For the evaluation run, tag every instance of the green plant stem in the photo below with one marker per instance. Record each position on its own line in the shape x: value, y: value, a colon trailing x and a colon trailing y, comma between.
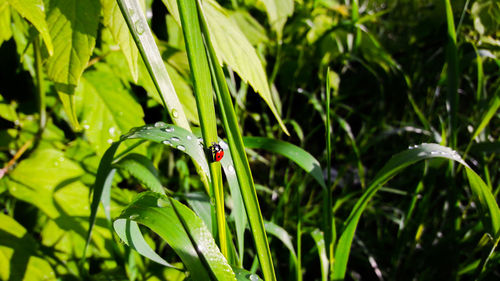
x: 328, y: 192
x: 202, y: 83
x: 39, y: 83
x: 241, y: 165
x: 452, y: 76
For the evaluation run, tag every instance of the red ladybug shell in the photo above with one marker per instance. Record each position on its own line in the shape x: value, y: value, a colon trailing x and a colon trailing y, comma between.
x: 219, y: 155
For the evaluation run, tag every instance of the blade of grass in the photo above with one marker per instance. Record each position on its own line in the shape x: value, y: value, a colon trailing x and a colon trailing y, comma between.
x: 200, y: 72
x: 397, y: 163
x: 138, y: 26
x: 242, y: 168
x: 452, y: 77
x: 327, y: 201
x: 181, y: 229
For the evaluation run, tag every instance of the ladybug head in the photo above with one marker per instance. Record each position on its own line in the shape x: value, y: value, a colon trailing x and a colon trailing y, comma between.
x: 217, y: 152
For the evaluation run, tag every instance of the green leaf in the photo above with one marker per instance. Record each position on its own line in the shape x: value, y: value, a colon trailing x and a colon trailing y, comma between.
x: 182, y: 230
x: 280, y: 233
x: 143, y: 37
x: 73, y: 34
x: 319, y: 240
x: 19, y: 259
x: 301, y: 157
x: 5, y: 30
x: 232, y: 47
x: 73, y: 28
x: 277, y: 13
x: 142, y: 168
x: 113, y: 20
x: 108, y: 108
x: 397, y: 163
x: 33, y: 10
x: 48, y: 180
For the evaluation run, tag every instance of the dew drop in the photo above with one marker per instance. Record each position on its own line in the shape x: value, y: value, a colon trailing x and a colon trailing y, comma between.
x: 200, y: 139
x: 188, y: 137
x: 167, y: 142
x: 133, y: 217
x: 160, y: 124
x: 181, y: 147
x: 254, y: 277
x: 434, y: 152
x: 110, y: 141
x: 112, y: 131
x: 86, y: 127
x: 169, y: 129
x: 175, y: 139
x: 162, y: 203
x: 230, y: 169
x: 139, y: 27
x: 175, y: 114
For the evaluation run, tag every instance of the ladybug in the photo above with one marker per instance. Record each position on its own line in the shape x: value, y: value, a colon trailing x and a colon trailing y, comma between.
x: 216, y: 152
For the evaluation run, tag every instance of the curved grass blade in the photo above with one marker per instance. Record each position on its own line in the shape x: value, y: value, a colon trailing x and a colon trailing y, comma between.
x: 129, y: 232
x: 318, y: 238
x: 173, y: 136
x: 138, y: 26
x: 298, y: 155
x: 280, y: 233
x: 182, y: 230
x: 141, y: 168
x: 162, y: 133
x: 397, y: 163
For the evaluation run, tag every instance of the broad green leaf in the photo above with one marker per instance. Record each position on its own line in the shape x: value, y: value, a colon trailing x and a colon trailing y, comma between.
x: 34, y: 11
x: 19, y: 259
x: 48, y: 180
x: 397, y: 163
x: 108, y: 108
x: 142, y: 168
x: 5, y: 31
x: 301, y: 157
x: 73, y: 34
x: 277, y: 13
x: 182, y: 230
x: 113, y: 20
x: 233, y: 48
x: 250, y: 27
x: 52, y: 182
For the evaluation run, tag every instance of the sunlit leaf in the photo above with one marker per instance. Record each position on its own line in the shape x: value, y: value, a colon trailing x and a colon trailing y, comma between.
x: 34, y: 11
x: 19, y: 259
x: 108, y: 109
x: 113, y: 19
x: 181, y: 229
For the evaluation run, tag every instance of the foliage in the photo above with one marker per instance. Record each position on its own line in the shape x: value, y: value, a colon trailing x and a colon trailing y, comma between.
x: 360, y: 139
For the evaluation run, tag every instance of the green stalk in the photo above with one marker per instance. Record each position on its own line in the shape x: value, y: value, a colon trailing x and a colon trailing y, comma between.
x: 39, y: 83
x: 241, y: 165
x: 355, y: 18
x: 327, y: 191
x: 202, y: 83
x: 452, y: 75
